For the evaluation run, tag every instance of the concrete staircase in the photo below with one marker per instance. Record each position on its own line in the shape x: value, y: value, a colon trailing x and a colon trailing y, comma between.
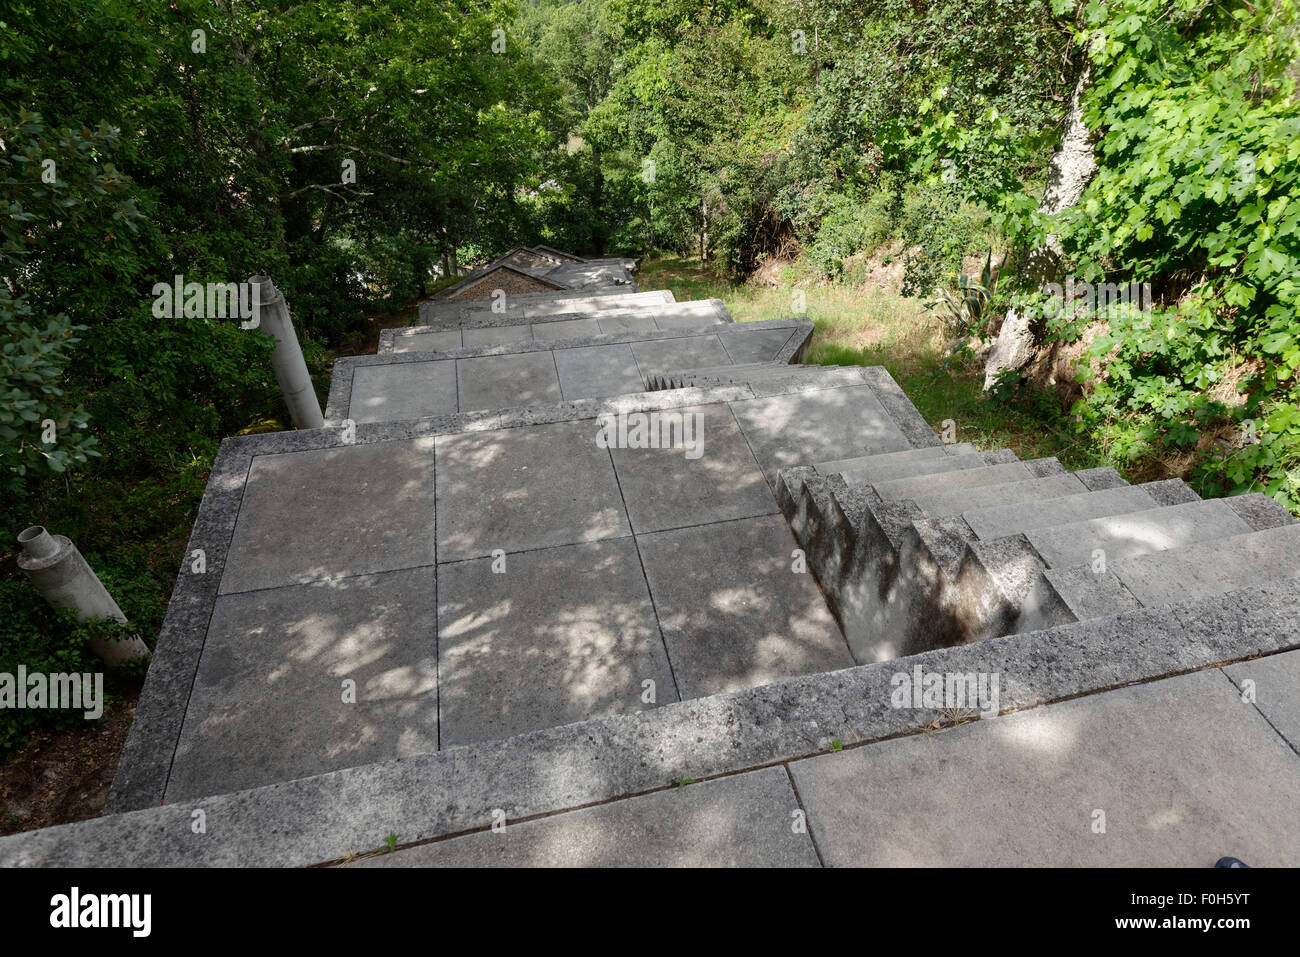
x: 947, y: 545
x: 538, y: 626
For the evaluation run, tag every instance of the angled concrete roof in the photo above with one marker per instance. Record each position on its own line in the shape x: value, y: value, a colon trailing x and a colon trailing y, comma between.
x: 564, y: 270
x: 481, y: 283
x: 560, y: 254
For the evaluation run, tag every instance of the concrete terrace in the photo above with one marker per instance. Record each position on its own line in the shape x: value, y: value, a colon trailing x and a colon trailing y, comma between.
x: 456, y: 604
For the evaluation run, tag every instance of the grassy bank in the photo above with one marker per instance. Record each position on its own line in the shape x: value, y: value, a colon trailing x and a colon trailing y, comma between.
x: 865, y: 326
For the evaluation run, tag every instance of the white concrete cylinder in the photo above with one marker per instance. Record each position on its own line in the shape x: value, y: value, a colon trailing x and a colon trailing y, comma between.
x: 63, y: 578
x: 287, y: 360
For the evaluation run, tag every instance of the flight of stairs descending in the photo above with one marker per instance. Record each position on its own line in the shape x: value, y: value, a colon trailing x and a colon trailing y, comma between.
x: 545, y: 619
x: 945, y: 545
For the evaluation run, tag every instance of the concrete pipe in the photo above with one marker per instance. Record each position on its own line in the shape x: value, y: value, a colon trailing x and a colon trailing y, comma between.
x: 290, y: 367
x: 63, y: 578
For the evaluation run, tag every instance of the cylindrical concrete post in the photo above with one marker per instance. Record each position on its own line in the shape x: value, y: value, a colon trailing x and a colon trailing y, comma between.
x: 290, y: 366
x: 63, y: 578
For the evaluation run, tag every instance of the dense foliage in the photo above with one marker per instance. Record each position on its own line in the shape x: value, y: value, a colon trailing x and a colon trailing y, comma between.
x: 836, y: 129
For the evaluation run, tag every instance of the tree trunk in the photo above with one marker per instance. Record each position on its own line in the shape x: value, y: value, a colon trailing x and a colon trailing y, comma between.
x: 1072, y: 167
x: 704, y: 228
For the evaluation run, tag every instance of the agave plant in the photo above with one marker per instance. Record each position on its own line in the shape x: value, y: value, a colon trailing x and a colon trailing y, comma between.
x: 964, y: 308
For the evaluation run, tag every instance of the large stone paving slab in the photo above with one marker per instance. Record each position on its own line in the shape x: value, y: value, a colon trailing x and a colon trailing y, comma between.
x: 1275, y: 689
x: 560, y: 635
x: 496, y: 336
x: 503, y: 382
x: 307, y: 516
x: 565, y: 329
x: 740, y: 821
x: 408, y: 390
x: 432, y: 340
x: 659, y: 356
x: 733, y: 612
x: 666, y: 488
x: 627, y: 323
x: 595, y: 371
x: 268, y: 702
x: 753, y: 345
x: 807, y: 427
x: 1183, y: 771
x: 525, y: 488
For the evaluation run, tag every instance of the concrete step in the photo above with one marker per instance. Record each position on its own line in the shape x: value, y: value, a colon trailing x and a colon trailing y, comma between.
x: 1198, y: 570
x: 999, y: 521
x: 445, y: 312
x: 763, y: 370
x: 1260, y: 511
x: 742, y: 368
x: 1117, y: 537
x: 943, y: 482
x: 956, y: 501
x: 890, y: 458
x: 877, y: 474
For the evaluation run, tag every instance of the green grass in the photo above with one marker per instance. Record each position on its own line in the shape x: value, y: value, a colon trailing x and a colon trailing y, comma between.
x: 856, y: 326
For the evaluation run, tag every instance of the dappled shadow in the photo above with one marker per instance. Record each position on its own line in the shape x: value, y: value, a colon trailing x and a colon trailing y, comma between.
x: 805, y: 428
x: 734, y: 612
x: 400, y: 391
x: 271, y: 696
x: 524, y: 488
x: 554, y: 636
x: 307, y: 516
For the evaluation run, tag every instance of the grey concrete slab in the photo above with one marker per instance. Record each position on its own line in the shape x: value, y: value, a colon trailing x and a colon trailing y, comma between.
x: 872, y: 474
x: 432, y: 340
x: 894, y: 490
x: 675, y: 355
x: 956, y: 501
x: 1135, y: 533
x: 496, y: 336
x: 565, y: 329
x: 801, y: 428
x: 745, y: 343
x: 592, y: 371
x: 503, y: 382
x: 1210, y: 568
x: 1260, y: 511
x: 522, y: 488
x: 561, y: 635
x: 538, y: 308
x: 692, y: 315
x: 631, y: 322
x: 269, y: 701
x: 326, y: 817
x: 1090, y: 594
x: 1182, y: 771
x: 401, y: 391
x: 891, y: 458
x: 999, y: 521
x: 664, y: 488
x: 751, y: 620
x: 307, y: 516
x: 1272, y: 684
x: 739, y: 821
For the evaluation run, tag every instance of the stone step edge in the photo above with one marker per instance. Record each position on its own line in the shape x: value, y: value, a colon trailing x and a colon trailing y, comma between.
x: 328, y: 817
x: 838, y: 466
x: 344, y: 367
x: 429, y: 310
x: 716, y: 314
x: 975, y: 589
x: 1061, y: 578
